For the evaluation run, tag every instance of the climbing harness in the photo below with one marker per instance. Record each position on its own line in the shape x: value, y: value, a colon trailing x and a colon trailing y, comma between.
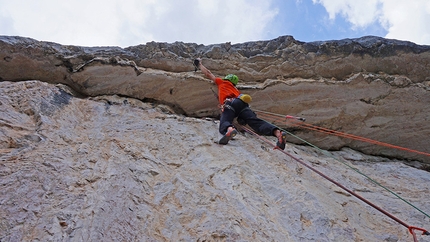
x: 226, y: 105
x: 411, y: 229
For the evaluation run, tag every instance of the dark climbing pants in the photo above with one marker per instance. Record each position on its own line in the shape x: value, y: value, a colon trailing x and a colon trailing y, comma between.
x: 238, y: 108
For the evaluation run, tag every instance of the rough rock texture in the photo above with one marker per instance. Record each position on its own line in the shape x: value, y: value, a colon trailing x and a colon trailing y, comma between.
x: 372, y: 87
x: 113, y: 168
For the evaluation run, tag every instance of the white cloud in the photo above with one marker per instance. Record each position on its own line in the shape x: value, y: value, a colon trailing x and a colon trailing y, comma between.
x: 62, y: 21
x: 359, y: 13
x: 407, y: 20
x: 403, y: 19
x: 131, y: 22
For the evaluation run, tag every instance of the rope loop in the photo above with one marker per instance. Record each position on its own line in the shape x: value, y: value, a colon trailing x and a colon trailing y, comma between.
x: 411, y: 230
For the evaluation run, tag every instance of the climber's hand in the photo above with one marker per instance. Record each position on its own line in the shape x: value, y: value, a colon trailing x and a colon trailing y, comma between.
x: 196, y: 63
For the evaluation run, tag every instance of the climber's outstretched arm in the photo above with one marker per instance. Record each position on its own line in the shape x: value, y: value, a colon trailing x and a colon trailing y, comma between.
x: 207, y: 72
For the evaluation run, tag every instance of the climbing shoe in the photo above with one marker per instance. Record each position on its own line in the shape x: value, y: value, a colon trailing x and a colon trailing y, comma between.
x: 228, y: 136
x: 281, y: 144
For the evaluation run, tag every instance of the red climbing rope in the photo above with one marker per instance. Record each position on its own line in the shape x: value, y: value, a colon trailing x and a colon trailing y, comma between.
x: 410, y: 228
x: 295, y: 121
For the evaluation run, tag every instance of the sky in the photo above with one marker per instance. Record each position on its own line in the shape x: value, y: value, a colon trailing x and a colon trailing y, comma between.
x: 132, y: 22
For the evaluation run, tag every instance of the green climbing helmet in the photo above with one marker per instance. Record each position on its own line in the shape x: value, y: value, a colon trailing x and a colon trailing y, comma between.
x: 232, y: 78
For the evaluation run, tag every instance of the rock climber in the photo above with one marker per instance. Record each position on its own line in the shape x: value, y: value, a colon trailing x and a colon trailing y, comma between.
x: 234, y: 104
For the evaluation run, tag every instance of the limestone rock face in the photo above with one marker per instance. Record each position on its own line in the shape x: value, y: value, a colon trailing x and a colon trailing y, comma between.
x: 372, y: 87
x: 112, y: 168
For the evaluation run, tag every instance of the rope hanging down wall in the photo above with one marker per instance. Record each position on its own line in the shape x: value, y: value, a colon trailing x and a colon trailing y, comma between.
x: 411, y: 229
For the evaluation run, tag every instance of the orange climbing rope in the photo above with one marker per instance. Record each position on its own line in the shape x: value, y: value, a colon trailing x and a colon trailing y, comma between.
x: 272, y: 117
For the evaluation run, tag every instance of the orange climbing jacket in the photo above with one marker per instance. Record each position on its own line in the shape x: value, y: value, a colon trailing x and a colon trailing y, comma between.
x: 226, y: 89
